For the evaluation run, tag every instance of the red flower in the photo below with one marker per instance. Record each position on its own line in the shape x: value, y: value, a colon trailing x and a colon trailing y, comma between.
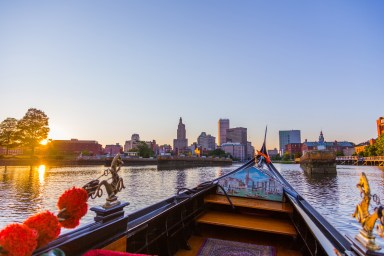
x: 18, y: 240
x: 47, y: 226
x: 72, y: 205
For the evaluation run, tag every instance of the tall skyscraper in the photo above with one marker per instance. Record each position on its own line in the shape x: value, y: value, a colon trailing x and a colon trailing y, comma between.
x: 238, y: 135
x: 181, y: 143
x: 223, y: 126
x: 380, y: 126
x: 287, y: 137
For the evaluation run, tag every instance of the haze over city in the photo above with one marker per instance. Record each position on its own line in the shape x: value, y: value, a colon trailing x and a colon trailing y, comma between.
x: 105, y: 70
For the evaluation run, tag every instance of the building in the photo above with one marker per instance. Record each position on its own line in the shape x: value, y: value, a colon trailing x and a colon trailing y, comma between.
x: 113, y: 149
x: 273, y: 152
x: 207, y: 142
x: 238, y: 135
x: 223, y: 126
x: 152, y: 145
x: 131, y: 144
x: 165, y: 149
x: 12, y: 151
x: 293, y: 148
x: 287, y: 137
x: 380, y: 126
x: 75, y: 146
x: 337, y: 146
x: 235, y: 149
x: 250, y: 150
x: 181, y: 143
x: 361, y: 146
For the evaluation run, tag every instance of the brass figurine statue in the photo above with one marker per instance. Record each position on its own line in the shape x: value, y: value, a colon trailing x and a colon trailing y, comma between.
x: 94, y: 188
x: 366, y: 219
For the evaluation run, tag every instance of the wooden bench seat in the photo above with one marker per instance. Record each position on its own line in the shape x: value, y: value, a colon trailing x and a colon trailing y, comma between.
x: 250, y: 203
x: 249, y: 222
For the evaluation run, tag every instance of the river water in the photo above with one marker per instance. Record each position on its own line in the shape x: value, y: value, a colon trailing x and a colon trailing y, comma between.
x: 28, y: 190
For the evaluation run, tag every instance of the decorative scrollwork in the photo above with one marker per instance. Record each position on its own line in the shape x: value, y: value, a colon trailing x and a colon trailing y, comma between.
x: 94, y: 187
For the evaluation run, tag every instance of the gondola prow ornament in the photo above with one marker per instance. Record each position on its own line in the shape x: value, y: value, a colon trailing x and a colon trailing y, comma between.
x: 94, y: 188
x: 368, y: 220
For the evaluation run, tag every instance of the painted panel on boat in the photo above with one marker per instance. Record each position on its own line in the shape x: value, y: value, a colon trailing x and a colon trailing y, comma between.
x: 252, y: 183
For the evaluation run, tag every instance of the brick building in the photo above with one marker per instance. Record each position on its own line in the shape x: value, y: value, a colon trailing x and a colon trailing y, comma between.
x: 75, y: 146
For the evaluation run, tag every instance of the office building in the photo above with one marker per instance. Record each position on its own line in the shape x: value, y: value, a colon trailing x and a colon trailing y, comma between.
x: 207, y: 142
x: 181, y: 143
x: 131, y: 144
x: 223, y: 126
x: 238, y: 135
x: 288, y: 137
x: 236, y: 150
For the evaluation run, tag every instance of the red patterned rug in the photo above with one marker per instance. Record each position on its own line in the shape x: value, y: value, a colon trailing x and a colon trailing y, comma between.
x: 216, y: 247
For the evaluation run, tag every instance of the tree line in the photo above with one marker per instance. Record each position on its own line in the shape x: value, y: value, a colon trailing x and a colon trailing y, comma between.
x: 377, y: 149
x: 28, y: 132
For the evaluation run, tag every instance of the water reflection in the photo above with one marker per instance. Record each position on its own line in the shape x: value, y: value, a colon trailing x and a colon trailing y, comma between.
x: 28, y: 190
x: 41, y: 171
x: 336, y: 196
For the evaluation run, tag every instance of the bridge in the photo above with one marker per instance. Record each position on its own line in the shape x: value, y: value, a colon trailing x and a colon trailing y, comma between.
x: 357, y: 160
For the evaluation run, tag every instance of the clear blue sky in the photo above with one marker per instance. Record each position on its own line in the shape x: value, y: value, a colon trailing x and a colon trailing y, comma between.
x: 103, y: 70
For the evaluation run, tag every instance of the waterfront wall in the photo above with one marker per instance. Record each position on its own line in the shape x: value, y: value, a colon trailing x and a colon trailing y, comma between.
x: 183, y: 162
x: 172, y: 162
x: 318, y: 162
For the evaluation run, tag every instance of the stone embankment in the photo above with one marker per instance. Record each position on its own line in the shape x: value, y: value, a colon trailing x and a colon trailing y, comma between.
x: 318, y: 162
x: 163, y: 162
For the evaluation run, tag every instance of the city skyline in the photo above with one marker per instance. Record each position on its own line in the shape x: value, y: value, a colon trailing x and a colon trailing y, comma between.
x: 104, y: 71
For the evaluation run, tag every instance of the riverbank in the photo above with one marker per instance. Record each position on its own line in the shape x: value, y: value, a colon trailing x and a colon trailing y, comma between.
x: 167, y: 162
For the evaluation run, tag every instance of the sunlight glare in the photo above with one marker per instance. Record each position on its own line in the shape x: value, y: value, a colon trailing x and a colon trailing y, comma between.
x: 41, y: 171
x: 44, y: 142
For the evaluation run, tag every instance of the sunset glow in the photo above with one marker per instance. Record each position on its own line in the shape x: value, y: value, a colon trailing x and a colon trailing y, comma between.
x: 44, y: 142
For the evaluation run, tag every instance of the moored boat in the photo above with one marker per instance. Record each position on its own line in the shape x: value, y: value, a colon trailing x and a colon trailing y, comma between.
x: 252, y: 210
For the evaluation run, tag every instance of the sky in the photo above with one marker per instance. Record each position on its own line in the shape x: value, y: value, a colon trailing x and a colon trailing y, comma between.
x: 103, y: 70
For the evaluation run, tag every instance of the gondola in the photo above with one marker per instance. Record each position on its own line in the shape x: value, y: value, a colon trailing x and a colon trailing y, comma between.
x: 252, y: 210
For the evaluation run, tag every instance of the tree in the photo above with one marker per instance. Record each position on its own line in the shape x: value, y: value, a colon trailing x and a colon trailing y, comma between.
x: 33, y: 128
x: 380, y: 146
x: 8, y: 133
x: 370, y: 150
x: 144, y: 150
x: 219, y: 153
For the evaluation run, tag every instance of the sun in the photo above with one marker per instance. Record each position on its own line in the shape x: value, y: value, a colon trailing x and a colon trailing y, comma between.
x: 44, y: 142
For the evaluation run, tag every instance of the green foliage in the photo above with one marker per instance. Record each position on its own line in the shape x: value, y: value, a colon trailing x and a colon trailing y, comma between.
x: 370, y: 150
x: 85, y: 153
x: 33, y: 128
x: 276, y: 157
x: 380, y: 146
x: 286, y: 156
x: 8, y: 133
x: 144, y: 150
x: 339, y: 153
x: 218, y: 153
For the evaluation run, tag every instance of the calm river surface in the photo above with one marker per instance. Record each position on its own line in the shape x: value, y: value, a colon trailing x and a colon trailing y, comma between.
x: 25, y: 190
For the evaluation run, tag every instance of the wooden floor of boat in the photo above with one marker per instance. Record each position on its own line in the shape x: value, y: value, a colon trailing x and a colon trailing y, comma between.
x: 281, y: 245
x: 249, y: 222
x: 250, y: 203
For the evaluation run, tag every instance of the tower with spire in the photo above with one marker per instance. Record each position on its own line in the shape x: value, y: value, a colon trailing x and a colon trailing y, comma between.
x: 181, y: 143
x: 321, y: 145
